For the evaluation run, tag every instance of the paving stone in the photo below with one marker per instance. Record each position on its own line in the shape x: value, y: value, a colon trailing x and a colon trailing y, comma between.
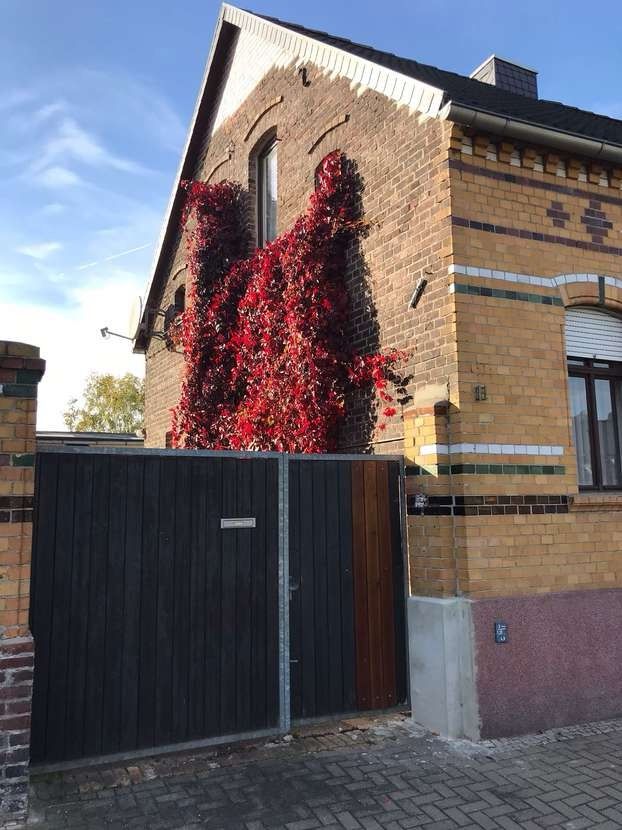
x: 366, y: 774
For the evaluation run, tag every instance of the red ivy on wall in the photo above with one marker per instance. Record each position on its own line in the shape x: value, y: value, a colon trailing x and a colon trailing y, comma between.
x: 267, y: 362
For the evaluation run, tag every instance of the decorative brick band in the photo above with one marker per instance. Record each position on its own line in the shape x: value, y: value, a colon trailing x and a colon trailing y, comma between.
x: 486, y: 470
x: 546, y: 450
x: 525, y: 181
x: 16, y: 509
x: 535, y: 236
x: 504, y: 294
x: 488, y: 505
x: 532, y: 279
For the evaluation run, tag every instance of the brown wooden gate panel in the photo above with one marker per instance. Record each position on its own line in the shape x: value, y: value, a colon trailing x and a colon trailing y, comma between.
x: 347, y: 629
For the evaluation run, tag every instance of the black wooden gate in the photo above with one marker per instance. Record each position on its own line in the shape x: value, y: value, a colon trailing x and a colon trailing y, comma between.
x: 182, y: 596
x: 152, y: 625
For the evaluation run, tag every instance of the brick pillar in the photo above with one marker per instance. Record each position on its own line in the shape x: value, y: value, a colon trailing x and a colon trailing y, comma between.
x: 20, y: 372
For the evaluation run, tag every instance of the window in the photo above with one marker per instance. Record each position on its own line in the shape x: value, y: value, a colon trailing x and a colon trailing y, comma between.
x: 594, y: 345
x: 267, y: 194
x: 179, y: 300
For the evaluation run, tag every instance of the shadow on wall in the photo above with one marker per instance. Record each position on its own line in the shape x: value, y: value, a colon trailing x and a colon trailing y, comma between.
x: 364, y: 334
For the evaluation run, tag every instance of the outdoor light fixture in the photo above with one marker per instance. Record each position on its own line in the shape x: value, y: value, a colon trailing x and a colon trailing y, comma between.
x: 419, y: 289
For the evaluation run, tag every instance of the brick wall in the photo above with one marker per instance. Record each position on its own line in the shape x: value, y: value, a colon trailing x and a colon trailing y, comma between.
x: 20, y: 371
x: 505, y: 515
x: 403, y: 162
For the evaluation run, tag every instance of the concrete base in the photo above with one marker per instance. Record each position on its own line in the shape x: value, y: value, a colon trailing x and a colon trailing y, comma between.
x: 442, y: 678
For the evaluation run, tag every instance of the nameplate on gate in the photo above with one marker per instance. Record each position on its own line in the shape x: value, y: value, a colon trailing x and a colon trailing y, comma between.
x: 232, y: 524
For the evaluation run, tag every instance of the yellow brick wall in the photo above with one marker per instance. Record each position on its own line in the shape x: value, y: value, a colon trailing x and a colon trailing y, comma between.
x: 20, y: 371
x: 515, y: 348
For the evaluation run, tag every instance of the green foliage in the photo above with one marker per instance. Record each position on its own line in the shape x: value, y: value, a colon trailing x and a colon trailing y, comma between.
x: 109, y: 404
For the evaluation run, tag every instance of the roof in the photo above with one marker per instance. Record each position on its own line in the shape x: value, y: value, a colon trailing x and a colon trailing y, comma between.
x: 477, y: 94
x: 425, y: 89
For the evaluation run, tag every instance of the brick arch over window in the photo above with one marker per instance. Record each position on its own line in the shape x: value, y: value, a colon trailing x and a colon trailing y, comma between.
x: 269, y: 139
x: 590, y: 290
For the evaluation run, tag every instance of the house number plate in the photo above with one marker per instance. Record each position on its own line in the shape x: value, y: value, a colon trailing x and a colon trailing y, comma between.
x: 232, y: 524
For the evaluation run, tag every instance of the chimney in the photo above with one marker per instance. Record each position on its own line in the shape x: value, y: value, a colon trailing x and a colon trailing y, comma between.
x: 507, y: 75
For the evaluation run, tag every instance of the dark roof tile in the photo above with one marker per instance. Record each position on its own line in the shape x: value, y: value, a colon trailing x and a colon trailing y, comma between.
x: 476, y: 94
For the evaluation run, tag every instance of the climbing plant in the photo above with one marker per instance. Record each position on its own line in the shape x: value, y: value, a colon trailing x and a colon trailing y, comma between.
x: 267, y: 359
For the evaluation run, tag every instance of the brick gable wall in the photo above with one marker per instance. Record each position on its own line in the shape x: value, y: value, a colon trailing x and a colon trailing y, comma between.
x: 403, y: 163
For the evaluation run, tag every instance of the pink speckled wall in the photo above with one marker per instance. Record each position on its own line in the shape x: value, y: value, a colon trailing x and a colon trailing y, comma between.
x: 561, y: 665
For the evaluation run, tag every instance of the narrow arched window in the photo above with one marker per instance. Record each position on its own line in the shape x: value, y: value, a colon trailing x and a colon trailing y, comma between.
x: 267, y: 193
x: 594, y: 349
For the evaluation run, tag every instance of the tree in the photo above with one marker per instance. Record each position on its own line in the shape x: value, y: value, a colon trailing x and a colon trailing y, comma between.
x: 109, y: 404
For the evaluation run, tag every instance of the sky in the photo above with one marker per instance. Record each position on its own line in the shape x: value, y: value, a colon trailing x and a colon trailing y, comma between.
x: 95, y: 99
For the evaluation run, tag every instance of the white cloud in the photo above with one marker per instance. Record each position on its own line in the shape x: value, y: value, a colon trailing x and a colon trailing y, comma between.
x: 39, y: 250
x: 53, y: 209
x: 57, y: 177
x: 70, y: 142
x: 71, y: 343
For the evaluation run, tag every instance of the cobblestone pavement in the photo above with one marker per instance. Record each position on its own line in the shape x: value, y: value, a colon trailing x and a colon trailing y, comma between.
x: 364, y: 773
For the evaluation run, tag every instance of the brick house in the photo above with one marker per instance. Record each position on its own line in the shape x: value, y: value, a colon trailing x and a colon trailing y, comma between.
x: 506, y: 212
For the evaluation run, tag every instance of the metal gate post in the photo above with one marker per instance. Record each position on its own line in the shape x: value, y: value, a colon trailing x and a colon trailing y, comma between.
x: 284, y: 682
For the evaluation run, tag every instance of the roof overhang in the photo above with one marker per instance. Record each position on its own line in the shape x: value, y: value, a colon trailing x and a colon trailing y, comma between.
x: 501, y: 125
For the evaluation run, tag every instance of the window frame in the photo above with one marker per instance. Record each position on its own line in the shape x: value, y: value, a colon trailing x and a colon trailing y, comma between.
x: 270, y: 146
x: 582, y: 367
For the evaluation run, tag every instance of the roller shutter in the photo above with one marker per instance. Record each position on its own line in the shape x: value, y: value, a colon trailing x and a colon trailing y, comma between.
x: 594, y: 334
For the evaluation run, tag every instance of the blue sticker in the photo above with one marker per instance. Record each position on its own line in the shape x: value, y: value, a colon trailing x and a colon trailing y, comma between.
x: 501, y: 632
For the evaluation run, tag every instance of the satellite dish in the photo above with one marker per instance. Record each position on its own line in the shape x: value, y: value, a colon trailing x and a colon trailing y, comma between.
x: 136, y: 316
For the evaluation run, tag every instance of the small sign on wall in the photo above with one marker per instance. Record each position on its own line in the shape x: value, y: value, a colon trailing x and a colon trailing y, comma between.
x: 501, y: 631
x: 234, y: 524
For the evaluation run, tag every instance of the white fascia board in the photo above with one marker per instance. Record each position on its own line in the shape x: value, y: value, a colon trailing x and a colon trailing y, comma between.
x: 394, y: 85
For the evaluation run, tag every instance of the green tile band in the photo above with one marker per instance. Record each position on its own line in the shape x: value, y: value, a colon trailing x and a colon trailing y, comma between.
x: 506, y: 294
x: 23, y: 459
x: 486, y: 470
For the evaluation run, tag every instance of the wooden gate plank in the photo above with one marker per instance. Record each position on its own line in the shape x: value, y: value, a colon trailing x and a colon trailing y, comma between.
x: 272, y: 594
x: 60, y: 629
x: 385, y: 552
x: 359, y: 567
x: 295, y: 594
x: 228, y: 656
x: 244, y: 615
x: 180, y: 634
x: 212, y: 550
x: 374, y: 605
x: 322, y: 667
x: 148, y: 605
x: 258, y: 631
x: 333, y: 582
x: 115, y: 612
x: 79, y: 603
x: 347, y: 587
x: 97, y: 607
x: 197, y: 604
x: 307, y: 588
x: 132, y: 597
x: 166, y: 602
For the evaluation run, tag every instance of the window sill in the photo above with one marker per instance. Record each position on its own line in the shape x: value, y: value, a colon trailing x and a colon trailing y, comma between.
x: 596, y: 501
